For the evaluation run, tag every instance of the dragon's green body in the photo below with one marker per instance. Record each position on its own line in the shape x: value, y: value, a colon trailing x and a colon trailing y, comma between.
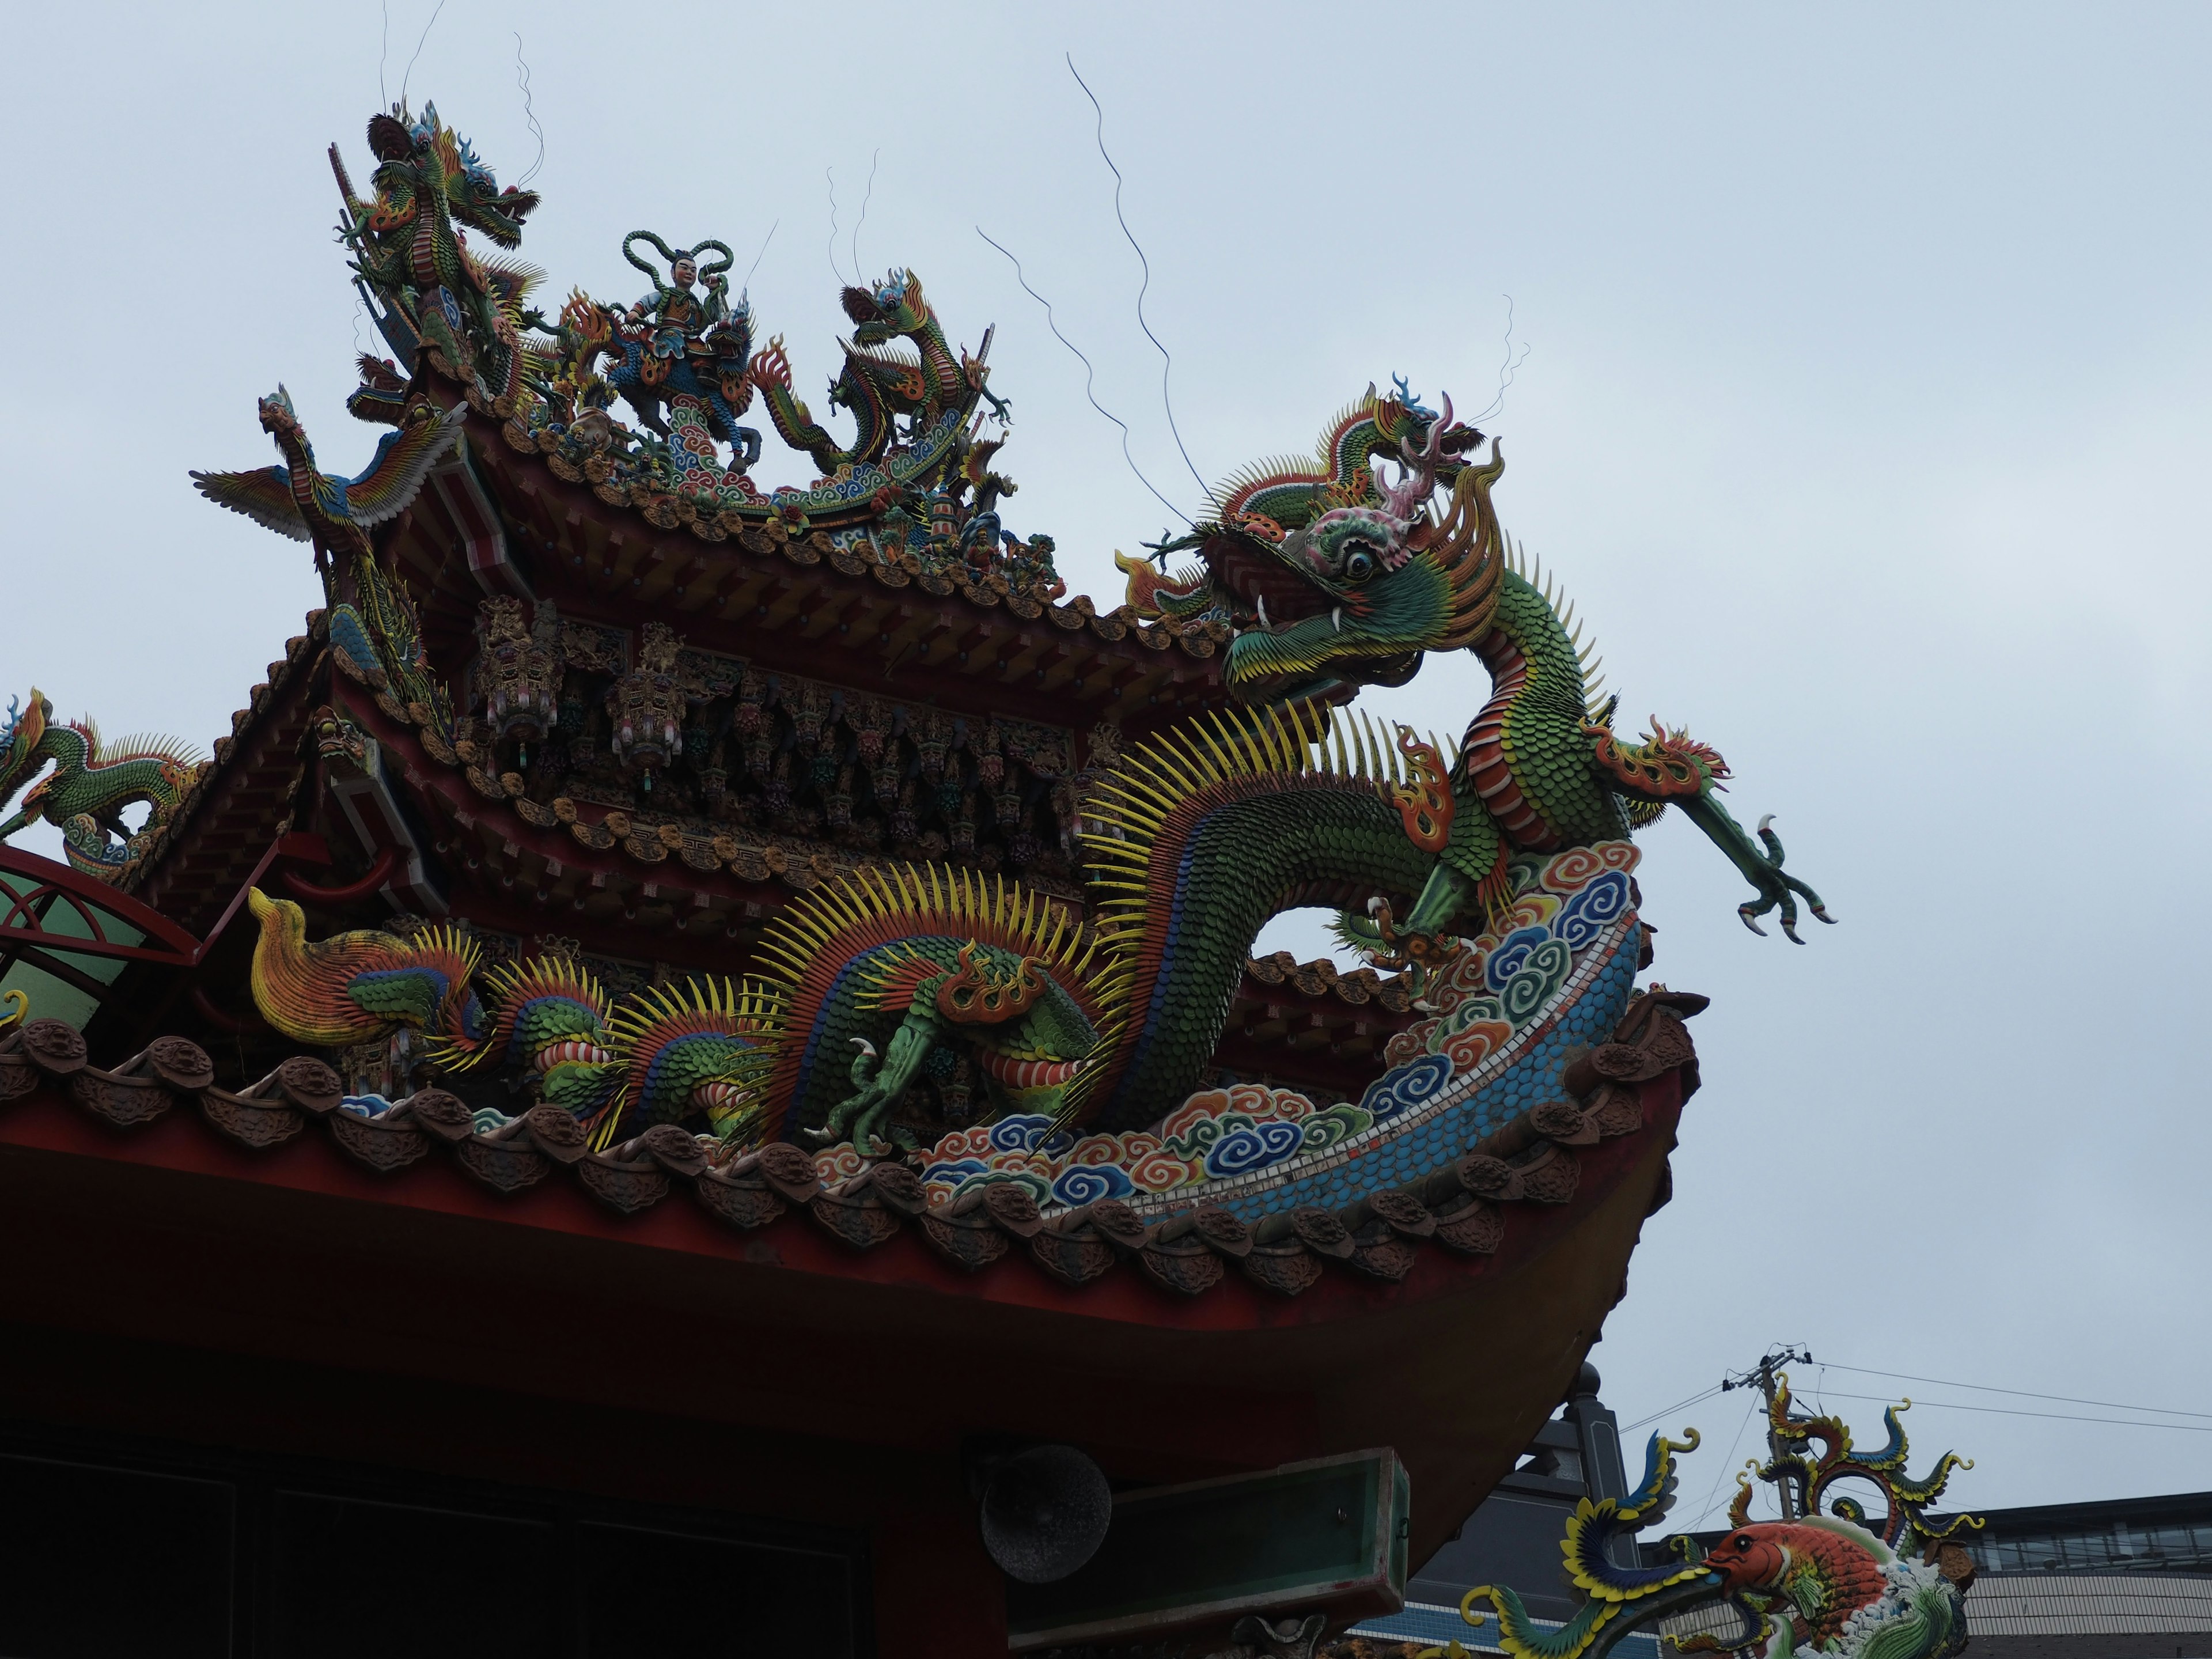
x: 1332, y: 579
x: 1207, y: 841
x: 407, y: 246
x: 909, y: 975
x: 90, y: 785
x: 879, y: 385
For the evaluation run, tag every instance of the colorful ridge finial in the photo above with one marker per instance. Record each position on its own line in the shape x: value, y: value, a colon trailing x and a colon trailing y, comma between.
x: 1818, y: 1584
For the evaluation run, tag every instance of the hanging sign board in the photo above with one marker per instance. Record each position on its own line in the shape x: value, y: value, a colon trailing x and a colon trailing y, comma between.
x: 1328, y: 1536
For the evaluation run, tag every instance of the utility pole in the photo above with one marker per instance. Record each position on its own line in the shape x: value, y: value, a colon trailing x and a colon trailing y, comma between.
x: 1763, y: 1375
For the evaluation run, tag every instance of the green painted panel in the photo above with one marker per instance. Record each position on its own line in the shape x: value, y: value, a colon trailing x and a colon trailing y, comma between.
x: 1326, y: 1533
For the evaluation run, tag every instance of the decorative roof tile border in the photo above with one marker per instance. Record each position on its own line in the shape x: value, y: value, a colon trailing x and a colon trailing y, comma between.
x: 1323, y: 978
x: 1464, y: 1207
x: 850, y: 557
x: 152, y: 849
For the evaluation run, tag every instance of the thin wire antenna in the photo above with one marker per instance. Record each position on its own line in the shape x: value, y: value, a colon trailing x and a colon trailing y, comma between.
x: 427, y: 27
x: 830, y: 174
x: 1089, y: 375
x: 865, y: 200
x: 1167, y: 362
x: 757, y: 257
x: 383, y: 51
x: 1507, y: 368
x: 529, y: 114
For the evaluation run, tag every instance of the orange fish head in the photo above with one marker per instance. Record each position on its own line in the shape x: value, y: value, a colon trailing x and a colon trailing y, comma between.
x: 1749, y: 1558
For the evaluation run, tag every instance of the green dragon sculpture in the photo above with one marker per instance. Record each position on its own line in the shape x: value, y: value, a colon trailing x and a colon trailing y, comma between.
x: 408, y: 250
x: 880, y: 385
x: 92, y: 784
x: 1331, y: 578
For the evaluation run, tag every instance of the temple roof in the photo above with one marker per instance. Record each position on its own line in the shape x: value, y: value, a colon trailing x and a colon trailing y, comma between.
x: 1466, y: 1209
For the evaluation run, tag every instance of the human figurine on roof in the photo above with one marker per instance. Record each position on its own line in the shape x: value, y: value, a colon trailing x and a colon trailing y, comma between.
x: 676, y: 316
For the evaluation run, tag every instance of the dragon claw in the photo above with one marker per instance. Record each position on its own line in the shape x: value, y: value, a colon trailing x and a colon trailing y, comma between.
x: 1759, y: 857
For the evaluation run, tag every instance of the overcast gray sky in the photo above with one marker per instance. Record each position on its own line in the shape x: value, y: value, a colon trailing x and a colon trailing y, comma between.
x: 1863, y: 414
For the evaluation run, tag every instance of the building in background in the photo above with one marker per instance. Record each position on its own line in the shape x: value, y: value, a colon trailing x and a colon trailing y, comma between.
x: 2120, y: 1579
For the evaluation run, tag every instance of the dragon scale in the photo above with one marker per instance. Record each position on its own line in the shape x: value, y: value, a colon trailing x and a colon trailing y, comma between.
x: 1193, y: 861
x: 1522, y: 754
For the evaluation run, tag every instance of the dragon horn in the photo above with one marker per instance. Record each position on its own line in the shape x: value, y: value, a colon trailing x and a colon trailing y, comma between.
x: 1404, y: 499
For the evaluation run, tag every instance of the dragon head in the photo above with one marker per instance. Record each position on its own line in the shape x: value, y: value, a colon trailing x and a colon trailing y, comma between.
x: 418, y: 145
x: 20, y: 739
x: 340, y: 743
x: 891, y: 306
x: 1329, y: 575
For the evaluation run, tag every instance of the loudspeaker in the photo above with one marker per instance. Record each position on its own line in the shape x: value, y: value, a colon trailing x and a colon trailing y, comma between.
x: 1045, y: 1512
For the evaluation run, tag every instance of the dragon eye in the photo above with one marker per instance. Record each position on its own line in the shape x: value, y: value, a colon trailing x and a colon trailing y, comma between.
x: 1358, y: 562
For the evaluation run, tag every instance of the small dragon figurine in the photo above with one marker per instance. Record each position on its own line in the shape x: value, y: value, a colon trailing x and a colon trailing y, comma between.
x: 91, y: 785
x: 879, y: 384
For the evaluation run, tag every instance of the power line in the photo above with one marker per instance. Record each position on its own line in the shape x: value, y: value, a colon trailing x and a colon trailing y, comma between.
x: 1713, y: 1497
x: 1679, y: 1405
x: 2024, y: 1393
x: 2056, y: 1417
